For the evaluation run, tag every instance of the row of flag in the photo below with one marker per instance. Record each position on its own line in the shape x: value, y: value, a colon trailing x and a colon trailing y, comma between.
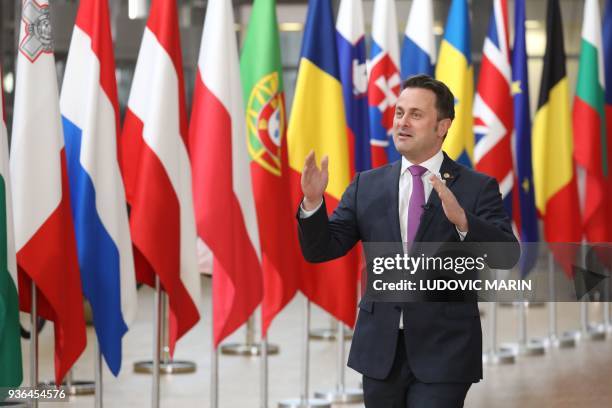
x: 230, y: 176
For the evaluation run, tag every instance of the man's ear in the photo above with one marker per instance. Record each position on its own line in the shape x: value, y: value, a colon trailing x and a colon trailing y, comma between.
x: 443, y: 127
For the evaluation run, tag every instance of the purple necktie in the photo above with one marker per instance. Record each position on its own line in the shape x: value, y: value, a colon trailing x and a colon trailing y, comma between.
x: 417, y: 201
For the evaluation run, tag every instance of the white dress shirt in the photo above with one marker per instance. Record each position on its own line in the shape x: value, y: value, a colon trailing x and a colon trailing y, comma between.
x: 432, y: 165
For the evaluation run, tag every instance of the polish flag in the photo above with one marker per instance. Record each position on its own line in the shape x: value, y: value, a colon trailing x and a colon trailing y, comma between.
x: 157, y: 173
x: 44, y: 231
x: 224, y: 204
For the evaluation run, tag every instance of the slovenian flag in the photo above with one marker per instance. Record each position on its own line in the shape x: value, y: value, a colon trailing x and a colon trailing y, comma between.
x: 350, y: 38
x: 90, y: 117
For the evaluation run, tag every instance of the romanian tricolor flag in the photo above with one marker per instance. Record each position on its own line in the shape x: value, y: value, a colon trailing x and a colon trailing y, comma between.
x: 455, y: 69
x: 590, y: 147
x: 553, y: 167
x: 318, y: 123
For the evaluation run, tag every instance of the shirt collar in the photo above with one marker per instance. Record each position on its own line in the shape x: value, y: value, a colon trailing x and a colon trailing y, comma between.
x: 432, y: 164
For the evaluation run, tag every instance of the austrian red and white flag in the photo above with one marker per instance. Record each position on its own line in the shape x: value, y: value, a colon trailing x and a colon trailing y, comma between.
x: 224, y: 204
x: 44, y: 231
x: 157, y: 173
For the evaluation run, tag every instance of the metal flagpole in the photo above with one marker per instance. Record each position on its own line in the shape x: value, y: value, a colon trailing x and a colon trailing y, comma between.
x: 98, y: 373
x: 566, y: 339
x: 587, y: 330
x: 304, y: 401
x: 496, y: 355
x: 527, y: 346
x: 157, y: 318
x: 341, y: 394
x: 264, y: 373
x: 214, y: 377
x: 167, y: 365
x: 34, y: 345
x: 606, y: 312
x: 250, y: 347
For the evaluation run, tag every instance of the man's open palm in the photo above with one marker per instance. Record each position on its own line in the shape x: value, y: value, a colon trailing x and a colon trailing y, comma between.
x: 314, y: 180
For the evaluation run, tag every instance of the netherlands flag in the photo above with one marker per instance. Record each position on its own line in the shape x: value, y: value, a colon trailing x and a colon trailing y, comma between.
x: 90, y: 117
x: 157, y: 172
x: 384, y: 82
x: 419, y: 46
x: 350, y: 38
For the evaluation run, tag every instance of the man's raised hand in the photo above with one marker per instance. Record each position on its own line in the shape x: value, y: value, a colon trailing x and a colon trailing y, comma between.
x: 314, y: 181
x: 452, y: 209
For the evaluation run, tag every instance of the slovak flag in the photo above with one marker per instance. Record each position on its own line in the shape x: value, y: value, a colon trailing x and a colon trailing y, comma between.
x: 384, y: 82
x: 44, y: 231
x: 157, y: 172
x: 90, y: 117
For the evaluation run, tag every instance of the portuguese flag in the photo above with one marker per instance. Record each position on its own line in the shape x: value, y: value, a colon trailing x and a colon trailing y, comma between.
x: 590, y: 147
x: 10, y: 337
x: 553, y: 166
x: 266, y: 121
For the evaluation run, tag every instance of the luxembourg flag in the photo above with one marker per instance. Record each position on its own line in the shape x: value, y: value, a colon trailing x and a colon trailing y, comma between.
x: 44, y: 230
x: 157, y: 172
x: 419, y: 46
x: 350, y: 38
x: 90, y: 117
x: 384, y: 83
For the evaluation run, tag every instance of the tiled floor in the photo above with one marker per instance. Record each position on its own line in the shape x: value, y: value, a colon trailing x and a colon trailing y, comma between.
x: 580, y: 377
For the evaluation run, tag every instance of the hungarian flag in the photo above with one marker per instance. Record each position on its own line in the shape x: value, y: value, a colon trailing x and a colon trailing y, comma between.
x: 590, y: 147
x: 318, y: 123
x: 157, y: 173
x: 350, y: 38
x: 384, y: 82
x: 266, y: 125
x: 11, y: 373
x: 455, y: 69
x: 419, y: 45
x: 90, y: 118
x: 493, y: 116
x: 44, y: 232
x: 553, y: 166
x: 224, y: 205
x: 524, y: 214
x: 607, y: 55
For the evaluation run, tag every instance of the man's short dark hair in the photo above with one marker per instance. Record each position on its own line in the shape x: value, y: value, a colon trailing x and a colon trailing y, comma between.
x: 445, y: 100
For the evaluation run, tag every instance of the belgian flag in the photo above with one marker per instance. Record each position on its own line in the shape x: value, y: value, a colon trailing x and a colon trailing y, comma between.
x: 556, y: 192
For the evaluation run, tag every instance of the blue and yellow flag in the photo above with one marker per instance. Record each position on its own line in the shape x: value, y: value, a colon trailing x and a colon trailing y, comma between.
x: 318, y: 122
x: 454, y: 68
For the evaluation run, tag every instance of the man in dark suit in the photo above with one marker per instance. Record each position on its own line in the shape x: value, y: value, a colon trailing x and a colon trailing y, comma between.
x: 417, y: 355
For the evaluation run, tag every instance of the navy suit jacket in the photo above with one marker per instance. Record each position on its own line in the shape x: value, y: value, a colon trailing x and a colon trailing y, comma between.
x: 443, y: 339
